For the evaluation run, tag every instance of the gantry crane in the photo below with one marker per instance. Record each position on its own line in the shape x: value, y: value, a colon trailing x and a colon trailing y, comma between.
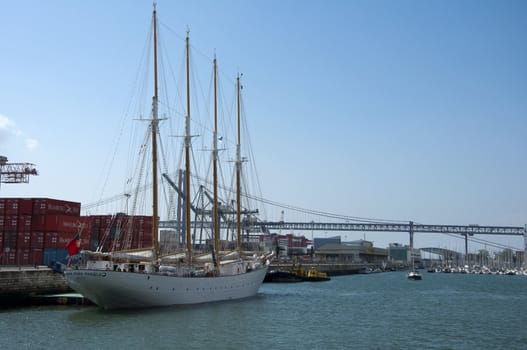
x: 15, y: 173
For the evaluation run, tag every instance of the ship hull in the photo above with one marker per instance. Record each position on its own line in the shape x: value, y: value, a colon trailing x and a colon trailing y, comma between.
x: 117, y: 290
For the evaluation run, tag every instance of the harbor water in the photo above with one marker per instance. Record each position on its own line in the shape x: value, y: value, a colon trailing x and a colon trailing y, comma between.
x: 374, y: 311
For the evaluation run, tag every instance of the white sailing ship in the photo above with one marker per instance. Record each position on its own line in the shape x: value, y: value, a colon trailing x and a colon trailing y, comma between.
x: 135, y: 280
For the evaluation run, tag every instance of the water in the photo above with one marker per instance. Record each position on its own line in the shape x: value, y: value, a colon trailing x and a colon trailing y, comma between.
x: 376, y: 311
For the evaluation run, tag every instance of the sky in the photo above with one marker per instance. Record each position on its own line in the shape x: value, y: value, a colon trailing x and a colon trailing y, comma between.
x: 399, y: 110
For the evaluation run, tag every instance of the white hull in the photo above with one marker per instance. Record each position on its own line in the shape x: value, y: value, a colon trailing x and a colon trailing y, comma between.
x: 414, y: 275
x: 115, y: 290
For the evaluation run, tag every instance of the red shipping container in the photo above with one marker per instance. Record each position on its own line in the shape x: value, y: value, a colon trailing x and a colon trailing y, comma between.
x: 104, y: 233
x: 42, y: 206
x: 2, y: 206
x: 25, y: 206
x: 85, y: 226
x: 24, y: 222
x: 37, y: 240
x: 11, y: 206
x: 62, y: 223
x: 143, y: 221
x: 22, y: 257
x: 8, y: 257
x: 36, y: 256
x: 2, y: 220
x: 10, y: 222
x: 51, y: 240
x: 10, y: 238
x: 101, y: 220
x: 23, y: 240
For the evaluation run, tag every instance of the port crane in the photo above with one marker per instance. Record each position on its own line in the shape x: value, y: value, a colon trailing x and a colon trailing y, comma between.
x: 16, y: 173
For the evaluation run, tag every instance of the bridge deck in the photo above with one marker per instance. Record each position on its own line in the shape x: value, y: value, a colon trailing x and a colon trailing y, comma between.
x: 377, y: 227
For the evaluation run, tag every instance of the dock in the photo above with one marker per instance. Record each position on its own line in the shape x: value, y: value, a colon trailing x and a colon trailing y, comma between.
x: 21, y: 284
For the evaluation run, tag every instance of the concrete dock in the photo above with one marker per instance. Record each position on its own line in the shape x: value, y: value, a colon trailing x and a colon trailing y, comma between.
x: 21, y: 283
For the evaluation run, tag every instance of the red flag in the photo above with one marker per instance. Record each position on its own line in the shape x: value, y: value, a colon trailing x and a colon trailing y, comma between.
x: 74, y: 245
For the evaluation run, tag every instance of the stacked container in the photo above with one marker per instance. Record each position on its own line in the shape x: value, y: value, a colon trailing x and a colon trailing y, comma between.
x: 35, y: 231
x: 117, y: 232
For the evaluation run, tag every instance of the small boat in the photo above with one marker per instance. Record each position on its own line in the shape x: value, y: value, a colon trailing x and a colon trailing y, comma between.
x: 311, y: 275
x: 414, y: 275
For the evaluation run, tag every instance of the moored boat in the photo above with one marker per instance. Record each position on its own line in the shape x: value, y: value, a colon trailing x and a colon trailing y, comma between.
x: 148, y: 279
x: 311, y: 275
x: 282, y: 276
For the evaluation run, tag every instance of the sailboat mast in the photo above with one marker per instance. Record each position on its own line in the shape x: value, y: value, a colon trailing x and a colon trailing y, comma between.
x: 216, y: 230
x: 187, y: 159
x: 238, y: 180
x: 155, y: 241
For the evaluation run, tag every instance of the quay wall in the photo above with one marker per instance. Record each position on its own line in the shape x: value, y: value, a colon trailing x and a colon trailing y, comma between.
x: 23, y: 282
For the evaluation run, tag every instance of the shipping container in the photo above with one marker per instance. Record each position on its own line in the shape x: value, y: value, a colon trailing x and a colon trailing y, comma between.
x: 85, y: 225
x: 43, y: 206
x: 37, y: 240
x: 22, y: 256
x: 53, y: 222
x: 24, y: 222
x: 10, y: 222
x: 2, y: 220
x: 11, y: 206
x: 2, y: 206
x: 106, y: 246
x: 54, y: 255
x: 94, y: 233
x: 10, y: 240
x: 8, y: 257
x: 101, y: 220
x: 18, y: 206
x: 23, y: 240
x: 25, y: 206
x: 50, y: 240
x: 36, y: 257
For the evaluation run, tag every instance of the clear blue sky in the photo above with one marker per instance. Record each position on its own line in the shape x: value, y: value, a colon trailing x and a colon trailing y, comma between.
x: 405, y: 110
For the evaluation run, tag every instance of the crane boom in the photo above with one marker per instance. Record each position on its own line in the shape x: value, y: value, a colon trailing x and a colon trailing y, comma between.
x: 16, y: 173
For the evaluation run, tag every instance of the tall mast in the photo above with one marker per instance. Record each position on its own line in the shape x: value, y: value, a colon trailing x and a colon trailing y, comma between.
x: 154, y: 148
x: 238, y: 180
x: 187, y: 159
x: 216, y: 225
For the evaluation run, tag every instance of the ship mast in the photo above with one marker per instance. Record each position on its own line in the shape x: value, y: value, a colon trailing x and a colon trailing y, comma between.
x: 238, y: 170
x: 187, y: 159
x: 216, y: 225
x: 154, y: 147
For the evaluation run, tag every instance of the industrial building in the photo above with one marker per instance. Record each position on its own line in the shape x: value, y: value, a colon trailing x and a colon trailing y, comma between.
x: 360, y: 251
